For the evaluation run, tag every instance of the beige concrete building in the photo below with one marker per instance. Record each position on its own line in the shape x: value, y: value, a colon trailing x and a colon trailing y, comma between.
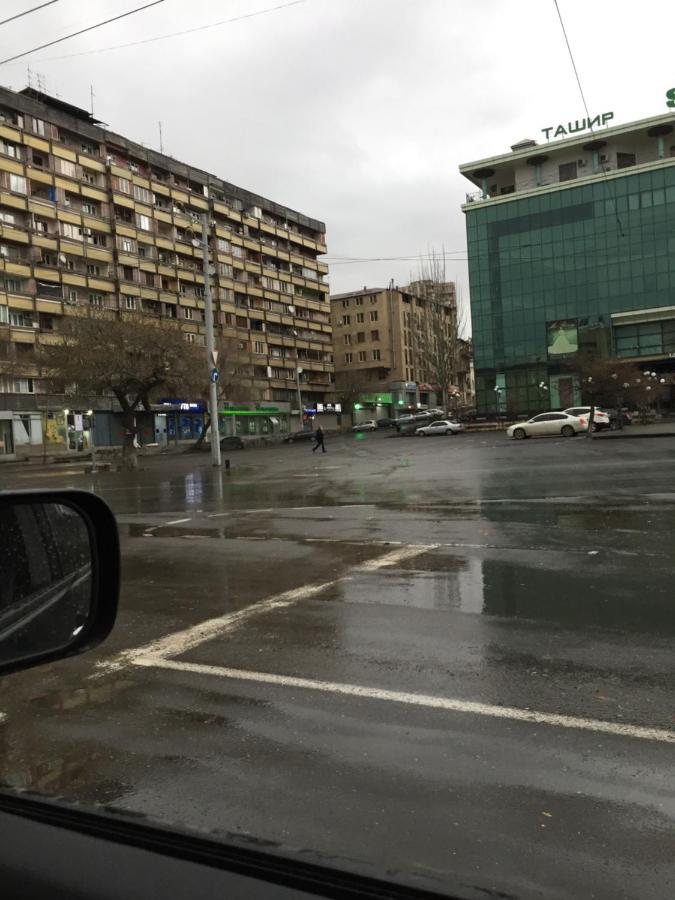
x: 377, y: 346
x: 89, y: 218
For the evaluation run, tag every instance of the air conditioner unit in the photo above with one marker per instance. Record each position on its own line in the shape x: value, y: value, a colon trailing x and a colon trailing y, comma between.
x: 86, y: 232
x: 133, y: 168
x: 63, y: 258
x: 36, y: 324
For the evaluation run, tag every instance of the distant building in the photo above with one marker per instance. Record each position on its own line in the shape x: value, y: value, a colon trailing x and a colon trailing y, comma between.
x: 377, y: 347
x: 571, y: 247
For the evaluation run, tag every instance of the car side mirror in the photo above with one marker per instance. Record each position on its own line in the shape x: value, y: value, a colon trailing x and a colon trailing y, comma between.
x: 59, y: 575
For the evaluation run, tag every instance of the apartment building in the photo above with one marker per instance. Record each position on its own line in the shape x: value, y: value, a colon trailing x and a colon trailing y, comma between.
x: 377, y: 346
x: 571, y: 248
x: 89, y: 218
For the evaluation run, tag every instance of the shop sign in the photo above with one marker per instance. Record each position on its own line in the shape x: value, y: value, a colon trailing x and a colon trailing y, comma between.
x: 577, y: 125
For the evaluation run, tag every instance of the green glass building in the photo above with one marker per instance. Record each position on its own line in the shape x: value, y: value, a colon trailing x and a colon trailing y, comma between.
x: 571, y: 246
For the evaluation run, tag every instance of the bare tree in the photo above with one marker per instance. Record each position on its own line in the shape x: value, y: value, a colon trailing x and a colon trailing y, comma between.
x: 348, y: 388
x: 436, y: 328
x: 614, y: 382
x: 131, y: 356
x: 236, y: 380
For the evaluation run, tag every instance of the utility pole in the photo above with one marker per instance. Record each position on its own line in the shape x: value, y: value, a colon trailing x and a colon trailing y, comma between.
x: 212, y: 356
x: 298, y: 370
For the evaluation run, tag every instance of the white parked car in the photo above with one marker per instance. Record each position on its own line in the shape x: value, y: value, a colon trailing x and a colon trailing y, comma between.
x: 442, y: 426
x: 369, y: 425
x: 600, y: 417
x: 560, y: 423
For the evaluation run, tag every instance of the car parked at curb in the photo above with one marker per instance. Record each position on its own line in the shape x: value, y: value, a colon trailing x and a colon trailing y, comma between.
x: 601, y: 419
x: 441, y: 426
x: 298, y: 436
x: 550, y: 423
x: 369, y: 425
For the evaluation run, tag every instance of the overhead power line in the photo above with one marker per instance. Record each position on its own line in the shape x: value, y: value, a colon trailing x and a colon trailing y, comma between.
x: 67, y: 37
x: 28, y: 12
x: 583, y: 100
x: 173, y: 34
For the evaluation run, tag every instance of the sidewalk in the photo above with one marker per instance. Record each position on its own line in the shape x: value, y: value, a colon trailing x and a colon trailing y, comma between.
x: 656, y: 429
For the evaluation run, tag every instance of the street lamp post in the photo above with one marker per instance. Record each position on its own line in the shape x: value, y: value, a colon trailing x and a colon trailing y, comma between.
x: 298, y: 372
x: 212, y: 357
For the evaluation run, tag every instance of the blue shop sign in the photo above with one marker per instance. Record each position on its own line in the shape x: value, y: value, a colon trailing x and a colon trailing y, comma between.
x: 184, y: 405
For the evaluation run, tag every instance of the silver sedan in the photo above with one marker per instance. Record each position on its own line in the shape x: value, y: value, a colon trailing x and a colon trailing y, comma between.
x: 442, y: 426
x: 550, y: 423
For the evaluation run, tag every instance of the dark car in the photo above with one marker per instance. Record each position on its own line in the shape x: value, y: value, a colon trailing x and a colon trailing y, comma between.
x: 299, y: 436
x: 386, y: 423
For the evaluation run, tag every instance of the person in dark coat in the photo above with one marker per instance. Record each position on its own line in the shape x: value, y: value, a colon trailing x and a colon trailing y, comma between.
x: 318, y: 437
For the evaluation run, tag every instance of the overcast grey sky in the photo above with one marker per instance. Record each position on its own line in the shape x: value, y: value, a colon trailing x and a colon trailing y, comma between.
x: 357, y: 112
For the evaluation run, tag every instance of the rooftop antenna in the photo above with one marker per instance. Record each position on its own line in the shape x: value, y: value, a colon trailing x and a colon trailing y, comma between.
x: 30, y: 76
x: 161, y: 145
x: 41, y: 82
x: 91, y: 97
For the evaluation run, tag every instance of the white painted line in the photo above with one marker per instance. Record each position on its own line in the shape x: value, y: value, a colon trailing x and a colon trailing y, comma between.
x: 175, y: 522
x: 3, y: 717
x: 444, y: 703
x: 180, y: 642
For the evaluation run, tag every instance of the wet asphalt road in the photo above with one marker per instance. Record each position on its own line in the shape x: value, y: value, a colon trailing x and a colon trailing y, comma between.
x: 394, y: 628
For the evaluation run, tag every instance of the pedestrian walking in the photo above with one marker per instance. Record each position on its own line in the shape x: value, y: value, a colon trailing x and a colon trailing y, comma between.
x: 318, y: 437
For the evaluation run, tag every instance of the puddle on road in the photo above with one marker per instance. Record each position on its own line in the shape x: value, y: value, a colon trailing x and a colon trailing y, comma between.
x: 577, y: 598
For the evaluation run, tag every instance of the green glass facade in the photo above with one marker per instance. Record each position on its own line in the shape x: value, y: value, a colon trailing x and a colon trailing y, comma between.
x: 546, y: 273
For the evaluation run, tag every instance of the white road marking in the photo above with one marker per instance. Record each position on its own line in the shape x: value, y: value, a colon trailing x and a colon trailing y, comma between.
x: 175, y: 522
x: 444, y: 703
x: 180, y: 642
x: 3, y: 717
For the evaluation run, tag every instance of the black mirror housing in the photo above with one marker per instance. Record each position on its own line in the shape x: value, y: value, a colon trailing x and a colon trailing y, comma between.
x: 59, y: 575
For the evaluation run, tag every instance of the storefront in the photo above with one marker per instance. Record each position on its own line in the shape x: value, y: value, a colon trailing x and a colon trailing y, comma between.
x: 6, y: 435
x: 254, y: 420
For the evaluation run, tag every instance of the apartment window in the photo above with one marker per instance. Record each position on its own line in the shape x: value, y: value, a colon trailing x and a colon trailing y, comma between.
x: 376, y: 355
x: 7, y: 217
x: 143, y: 222
x: 127, y: 245
x: 99, y: 240
x: 258, y: 347
x: 373, y: 315
x: 375, y: 335
x: 123, y: 185
x: 90, y: 178
x: 46, y: 322
x: 93, y: 270
x: 23, y: 386
x: 4, y: 318
x: 359, y: 317
x: 567, y: 171
x: 188, y: 313
x: 37, y: 126
x: 349, y: 357
x: 38, y: 159
x: 359, y: 301
x: 90, y: 209
x: 7, y: 149
x: 129, y: 302
x: 624, y: 160
x: 361, y: 337
x: 345, y: 304
x: 348, y: 339
x: 191, y: 338
x: 373, y: 299
x: 67, y: 168
x: 72, y: 296
x: 362, y: 355
x: 199, y: 291
x: 346, y: 320
x: 237, y: 251
x: 13, y: 285
x: 143, y: 252
x: 223, y: 245
x: 142, y: 194
x: 96, y: 299
x: 20, y: 320
x: 17, y: 184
